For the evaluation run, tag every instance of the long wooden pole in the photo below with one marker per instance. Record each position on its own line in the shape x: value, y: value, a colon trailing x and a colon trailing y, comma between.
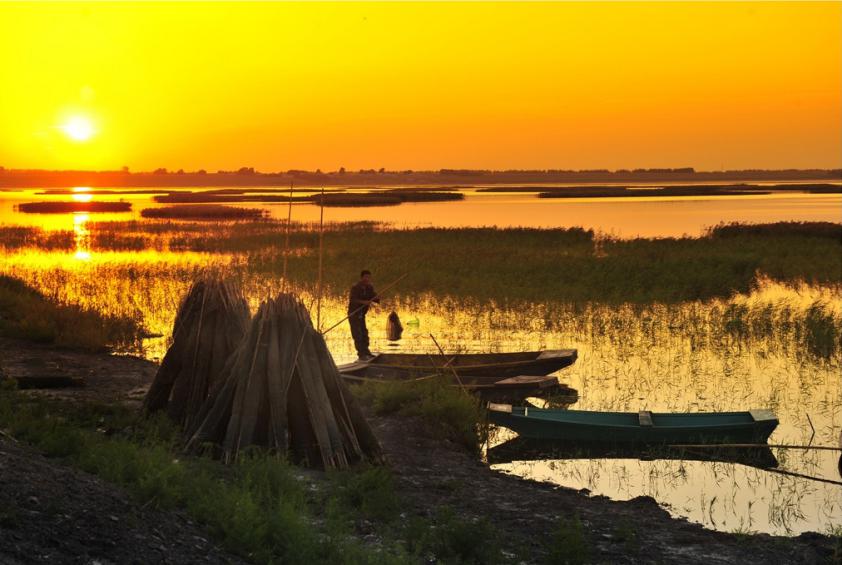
x: 384, y: 289
x: 321, y: 249
x: 286, y: 244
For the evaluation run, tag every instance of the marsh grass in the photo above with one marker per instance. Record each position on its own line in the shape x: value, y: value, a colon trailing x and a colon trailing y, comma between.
x: 67, y: 207
x: 27, y: 314
x: 566, y: 265
x: 206, y: 212
x: 16, y: 237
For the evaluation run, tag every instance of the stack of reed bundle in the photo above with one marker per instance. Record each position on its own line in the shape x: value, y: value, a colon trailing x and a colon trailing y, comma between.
x: 281, y: 390
x: 210, y: 324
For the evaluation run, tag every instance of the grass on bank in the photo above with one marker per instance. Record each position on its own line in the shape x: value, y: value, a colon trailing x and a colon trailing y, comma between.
x: 25, y: 313
x: 259, y: 507
x: 445, y: 411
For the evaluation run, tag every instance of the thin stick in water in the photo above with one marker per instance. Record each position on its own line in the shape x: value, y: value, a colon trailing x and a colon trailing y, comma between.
x: 321, y: 249
x: 286, y: 244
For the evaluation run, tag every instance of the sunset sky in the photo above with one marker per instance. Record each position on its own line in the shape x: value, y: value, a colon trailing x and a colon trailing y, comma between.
x: 422, y: 86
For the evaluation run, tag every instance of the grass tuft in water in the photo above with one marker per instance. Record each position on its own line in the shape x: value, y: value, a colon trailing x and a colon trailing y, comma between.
x: 27, y: 314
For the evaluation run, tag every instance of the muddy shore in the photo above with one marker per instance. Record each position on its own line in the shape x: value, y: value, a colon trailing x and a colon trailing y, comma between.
x: 52, y: 513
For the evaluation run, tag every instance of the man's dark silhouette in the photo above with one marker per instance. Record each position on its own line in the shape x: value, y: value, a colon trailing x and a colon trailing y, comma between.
x: 360, y: 298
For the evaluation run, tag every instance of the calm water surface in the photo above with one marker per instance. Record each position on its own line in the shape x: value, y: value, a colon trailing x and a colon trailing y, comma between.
x: 621, y: 217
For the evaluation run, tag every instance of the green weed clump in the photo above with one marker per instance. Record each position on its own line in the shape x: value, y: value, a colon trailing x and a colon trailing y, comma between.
x: 370, y: 492
x: 446, y: 411
x: 570, y: 545
x: 454, y: 540
x: 27, y: 314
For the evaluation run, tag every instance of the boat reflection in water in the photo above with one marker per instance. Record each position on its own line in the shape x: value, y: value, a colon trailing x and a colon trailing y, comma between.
x: 525, y: 449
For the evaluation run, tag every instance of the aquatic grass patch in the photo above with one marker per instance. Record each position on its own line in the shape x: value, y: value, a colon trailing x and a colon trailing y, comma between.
x: 18, y: 237
x: 204, y: 212
x: 69, y: 207
x: 563, y: 265
x: 27, y: 314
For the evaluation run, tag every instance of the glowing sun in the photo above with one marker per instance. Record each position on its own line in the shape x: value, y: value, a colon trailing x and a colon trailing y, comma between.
x: 78, y: 128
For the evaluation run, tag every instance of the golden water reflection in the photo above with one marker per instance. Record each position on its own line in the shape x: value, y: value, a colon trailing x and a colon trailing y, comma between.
x: 81, y: 236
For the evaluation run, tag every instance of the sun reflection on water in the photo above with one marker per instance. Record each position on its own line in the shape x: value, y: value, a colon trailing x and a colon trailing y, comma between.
x: 81, y: 236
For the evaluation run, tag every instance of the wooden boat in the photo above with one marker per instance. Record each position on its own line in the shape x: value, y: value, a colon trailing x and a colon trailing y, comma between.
x: 490, y: 389
x: 754, y: 426
x: 495, y: 366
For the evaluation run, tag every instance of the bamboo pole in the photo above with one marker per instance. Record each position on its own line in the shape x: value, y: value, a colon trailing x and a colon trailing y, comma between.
x: 385, y: 288
x: 321, y: 250
x: 286, y: 243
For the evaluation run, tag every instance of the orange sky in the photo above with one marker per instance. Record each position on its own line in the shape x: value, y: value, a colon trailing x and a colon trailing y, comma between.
x: 421, y: 86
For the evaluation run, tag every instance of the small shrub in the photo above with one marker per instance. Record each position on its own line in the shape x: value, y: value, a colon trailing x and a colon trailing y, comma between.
x: 569, y: 546
x: 454, y: 540
x: 447, y: 411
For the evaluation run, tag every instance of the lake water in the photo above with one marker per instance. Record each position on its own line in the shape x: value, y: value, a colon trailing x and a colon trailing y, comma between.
x: 621, y: 217
x: 659, y: 357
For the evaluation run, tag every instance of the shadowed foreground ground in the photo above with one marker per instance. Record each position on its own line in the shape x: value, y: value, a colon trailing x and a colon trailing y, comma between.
x: 52, y: 513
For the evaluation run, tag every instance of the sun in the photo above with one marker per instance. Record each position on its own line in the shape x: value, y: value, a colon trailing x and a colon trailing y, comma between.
x: 78, y: 128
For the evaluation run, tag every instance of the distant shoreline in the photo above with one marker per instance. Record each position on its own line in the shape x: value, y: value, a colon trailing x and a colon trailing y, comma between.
x: 18, y: 178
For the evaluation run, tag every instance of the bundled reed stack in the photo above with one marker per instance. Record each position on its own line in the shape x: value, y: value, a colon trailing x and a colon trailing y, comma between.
x: 210, y: 324
x: 282, y: 390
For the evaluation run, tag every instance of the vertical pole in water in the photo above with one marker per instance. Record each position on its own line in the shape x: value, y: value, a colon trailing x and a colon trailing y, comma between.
x: 286, y: 244
x: 321, y: 248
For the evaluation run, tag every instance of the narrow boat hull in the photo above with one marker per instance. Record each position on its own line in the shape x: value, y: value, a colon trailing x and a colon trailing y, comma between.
x: 636, y: 428
x: 473, y: 366
x: 514, y: 389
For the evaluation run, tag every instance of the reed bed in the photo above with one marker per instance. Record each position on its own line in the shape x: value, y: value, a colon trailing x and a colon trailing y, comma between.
x: 579, y: 191
x: 27, y: 313
x: 68, y: 207
x: 386, y: 198
x: 204, y: 212
x: 562, y: 265
x: 18, y: 237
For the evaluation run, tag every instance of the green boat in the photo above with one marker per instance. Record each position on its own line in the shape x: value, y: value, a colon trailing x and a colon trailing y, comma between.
x: 753, y: 426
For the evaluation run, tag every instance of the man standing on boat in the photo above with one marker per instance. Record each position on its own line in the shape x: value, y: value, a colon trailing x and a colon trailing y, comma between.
x: 362, y: 296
